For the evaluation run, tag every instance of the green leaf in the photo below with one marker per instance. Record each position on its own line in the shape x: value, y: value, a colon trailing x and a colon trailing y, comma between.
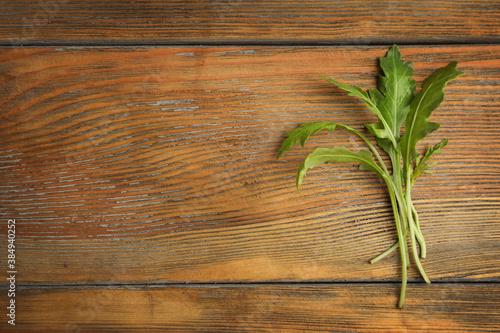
x: 360, y: 93
x: 356, y: 91
x: 396, y: 89
x: 422, y: 163
x: 340, y: 155
x: 302, y: 133
x: 352, y: 90
x: 431, y: 95
x: 380, y: 133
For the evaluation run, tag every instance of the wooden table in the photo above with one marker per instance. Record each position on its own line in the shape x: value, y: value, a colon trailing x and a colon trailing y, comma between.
x: 137, y: 158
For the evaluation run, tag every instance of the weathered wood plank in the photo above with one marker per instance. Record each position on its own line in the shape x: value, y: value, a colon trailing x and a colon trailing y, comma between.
x: 73, y: 21
x: 159, y: 164
x: 255, y: 308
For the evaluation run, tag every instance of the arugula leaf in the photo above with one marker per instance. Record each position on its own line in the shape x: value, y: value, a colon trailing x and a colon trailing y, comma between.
x: 352, y: 90
x: 340, y: 155
x: 391, y: 102
x: 417, y: 125
x: 421, y: 163
x: 302, y: 133
x: 396, y: 89
x: 360, y: 93
x: 381, y: 134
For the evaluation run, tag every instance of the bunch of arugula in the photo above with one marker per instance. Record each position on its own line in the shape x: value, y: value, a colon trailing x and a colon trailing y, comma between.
x: 394, y: 103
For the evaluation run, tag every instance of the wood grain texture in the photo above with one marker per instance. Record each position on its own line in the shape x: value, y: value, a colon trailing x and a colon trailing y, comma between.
x: 364, y: 22
x: 158, y: 165
x: 254, y: 308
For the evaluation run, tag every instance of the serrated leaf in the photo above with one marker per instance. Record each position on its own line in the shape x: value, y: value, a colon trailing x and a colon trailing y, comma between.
x: 430, y: 165
x: 396, y: 89
x: 381, y: 135
x: 391, y: 102
x: 302, y: 133
x: 337, y: 154
x: 360, y: 93
x: 431, y: 95
x: 422, y: 164
x: 352, y: 90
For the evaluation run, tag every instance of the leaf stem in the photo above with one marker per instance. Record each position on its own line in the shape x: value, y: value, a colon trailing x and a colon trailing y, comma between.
x: 420, y: 237
x: 370, y: 145
x: 388, y: 251
x: 411, y: 224
x: 402, y: 242
x: 385, y: 253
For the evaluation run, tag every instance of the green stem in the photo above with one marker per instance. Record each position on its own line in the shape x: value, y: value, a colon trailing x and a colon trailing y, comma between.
x: 404, y: 227
x: 412, y: 226
x: 396, y: 168
x: 401, y: 238
x: 385, y: 253
x: 398, y: 180
x: 388, y: 251
x: 398, y: 206
x: 420, y: 237
x: 370, y: 145
x: 402, y: 200
x: 403, y: 210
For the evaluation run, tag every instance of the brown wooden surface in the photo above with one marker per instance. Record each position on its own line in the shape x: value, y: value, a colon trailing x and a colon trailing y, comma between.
x: 144, y: 161
x: 156, y: 165
x: 364, y: 22
x: 270, y: 308
x: 146, y: 191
